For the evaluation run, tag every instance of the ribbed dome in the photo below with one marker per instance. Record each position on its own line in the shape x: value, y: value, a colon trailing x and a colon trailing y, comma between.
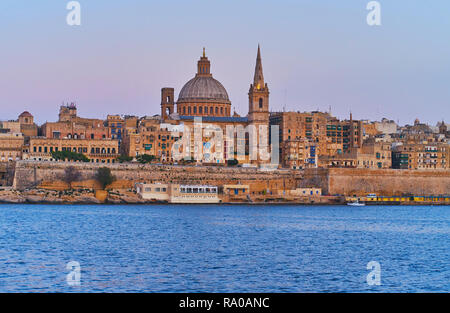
x: 202, y: 88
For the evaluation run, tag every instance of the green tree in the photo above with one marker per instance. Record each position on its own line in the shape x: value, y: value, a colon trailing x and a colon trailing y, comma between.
x: 124, y: 159
x: 69, y: 156
x: 232, y: 162
x: 145, y: 158
x: 104, y: 176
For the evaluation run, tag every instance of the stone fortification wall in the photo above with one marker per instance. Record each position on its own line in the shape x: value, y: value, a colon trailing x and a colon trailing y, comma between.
x: 30, y: 174
x: 387, y: 182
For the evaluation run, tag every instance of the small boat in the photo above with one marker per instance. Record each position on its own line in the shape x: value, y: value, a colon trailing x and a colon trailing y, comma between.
x: 356, y: 203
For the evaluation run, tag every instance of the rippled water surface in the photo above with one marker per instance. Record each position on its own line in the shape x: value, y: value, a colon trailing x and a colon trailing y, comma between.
x: 224, y: 248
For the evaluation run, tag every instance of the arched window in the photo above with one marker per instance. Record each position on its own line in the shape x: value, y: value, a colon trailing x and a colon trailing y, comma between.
x: 210, y: 110
x: 168, y: 99
x: 260, y: 103
x: 195, y: 110
x: 189, y: 110
x: 221, y: 111
x: 217, y: 110
x: 206, y: 109
x: 200, y: 110
x: 184, y: 110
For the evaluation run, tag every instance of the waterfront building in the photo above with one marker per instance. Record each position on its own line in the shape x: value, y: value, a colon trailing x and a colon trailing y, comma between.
x: 236, y: 190
x: 156, y: 191
x: 194, y: 194
x: 178, y: 193
x: 305, y: 192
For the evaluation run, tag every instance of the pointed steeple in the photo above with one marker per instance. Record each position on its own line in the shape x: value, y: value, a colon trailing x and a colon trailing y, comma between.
x: 258, y: 81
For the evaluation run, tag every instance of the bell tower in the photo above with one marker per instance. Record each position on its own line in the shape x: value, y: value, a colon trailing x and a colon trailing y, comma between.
x: 258, y: 96
x: 167, y: 102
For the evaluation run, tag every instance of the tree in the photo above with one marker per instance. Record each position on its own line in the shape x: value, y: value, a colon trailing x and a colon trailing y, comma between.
x: 124, y: 158
x: 71, y: 174
x: 145, y: 158
x: 104, y: 176
x: 232, y: 162
x: 69, y: 156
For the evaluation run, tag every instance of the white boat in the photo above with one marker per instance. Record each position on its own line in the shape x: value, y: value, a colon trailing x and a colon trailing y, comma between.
x: 356, y: 203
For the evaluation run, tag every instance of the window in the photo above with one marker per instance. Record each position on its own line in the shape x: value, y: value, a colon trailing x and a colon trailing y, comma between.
x: 260, y: 103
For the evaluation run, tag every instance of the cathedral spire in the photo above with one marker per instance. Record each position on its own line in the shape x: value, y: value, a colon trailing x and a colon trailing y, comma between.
x: 258, y: 81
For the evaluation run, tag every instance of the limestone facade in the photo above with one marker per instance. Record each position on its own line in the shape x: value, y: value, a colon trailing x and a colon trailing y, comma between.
x: 97, y: 150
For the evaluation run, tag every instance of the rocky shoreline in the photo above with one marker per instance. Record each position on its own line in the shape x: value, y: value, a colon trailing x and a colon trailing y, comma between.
x: 88, y: 196
x: 82, y: 196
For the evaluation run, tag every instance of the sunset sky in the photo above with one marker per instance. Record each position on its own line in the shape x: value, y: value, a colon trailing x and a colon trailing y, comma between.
x: 316, y: 54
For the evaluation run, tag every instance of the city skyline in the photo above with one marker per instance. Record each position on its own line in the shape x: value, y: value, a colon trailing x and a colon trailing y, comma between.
x: 121, y: 56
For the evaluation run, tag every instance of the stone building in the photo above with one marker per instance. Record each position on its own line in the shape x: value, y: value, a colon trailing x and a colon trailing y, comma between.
x: 70, y: 125
x: 27, y: 126
x: 11, y: 145
x: 421, y: 156
x: 304, y: 136
x: 9, y: 127
x: 201, y: 96
x: 97, y: 150
x: 116, y: 126
x: 151, y: 137
x: 24, y: 124
x: 206, y: 98
x: 376, y: 155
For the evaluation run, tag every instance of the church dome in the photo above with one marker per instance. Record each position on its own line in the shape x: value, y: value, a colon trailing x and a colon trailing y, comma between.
x: 203, y: 88
x: 203, y: 95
